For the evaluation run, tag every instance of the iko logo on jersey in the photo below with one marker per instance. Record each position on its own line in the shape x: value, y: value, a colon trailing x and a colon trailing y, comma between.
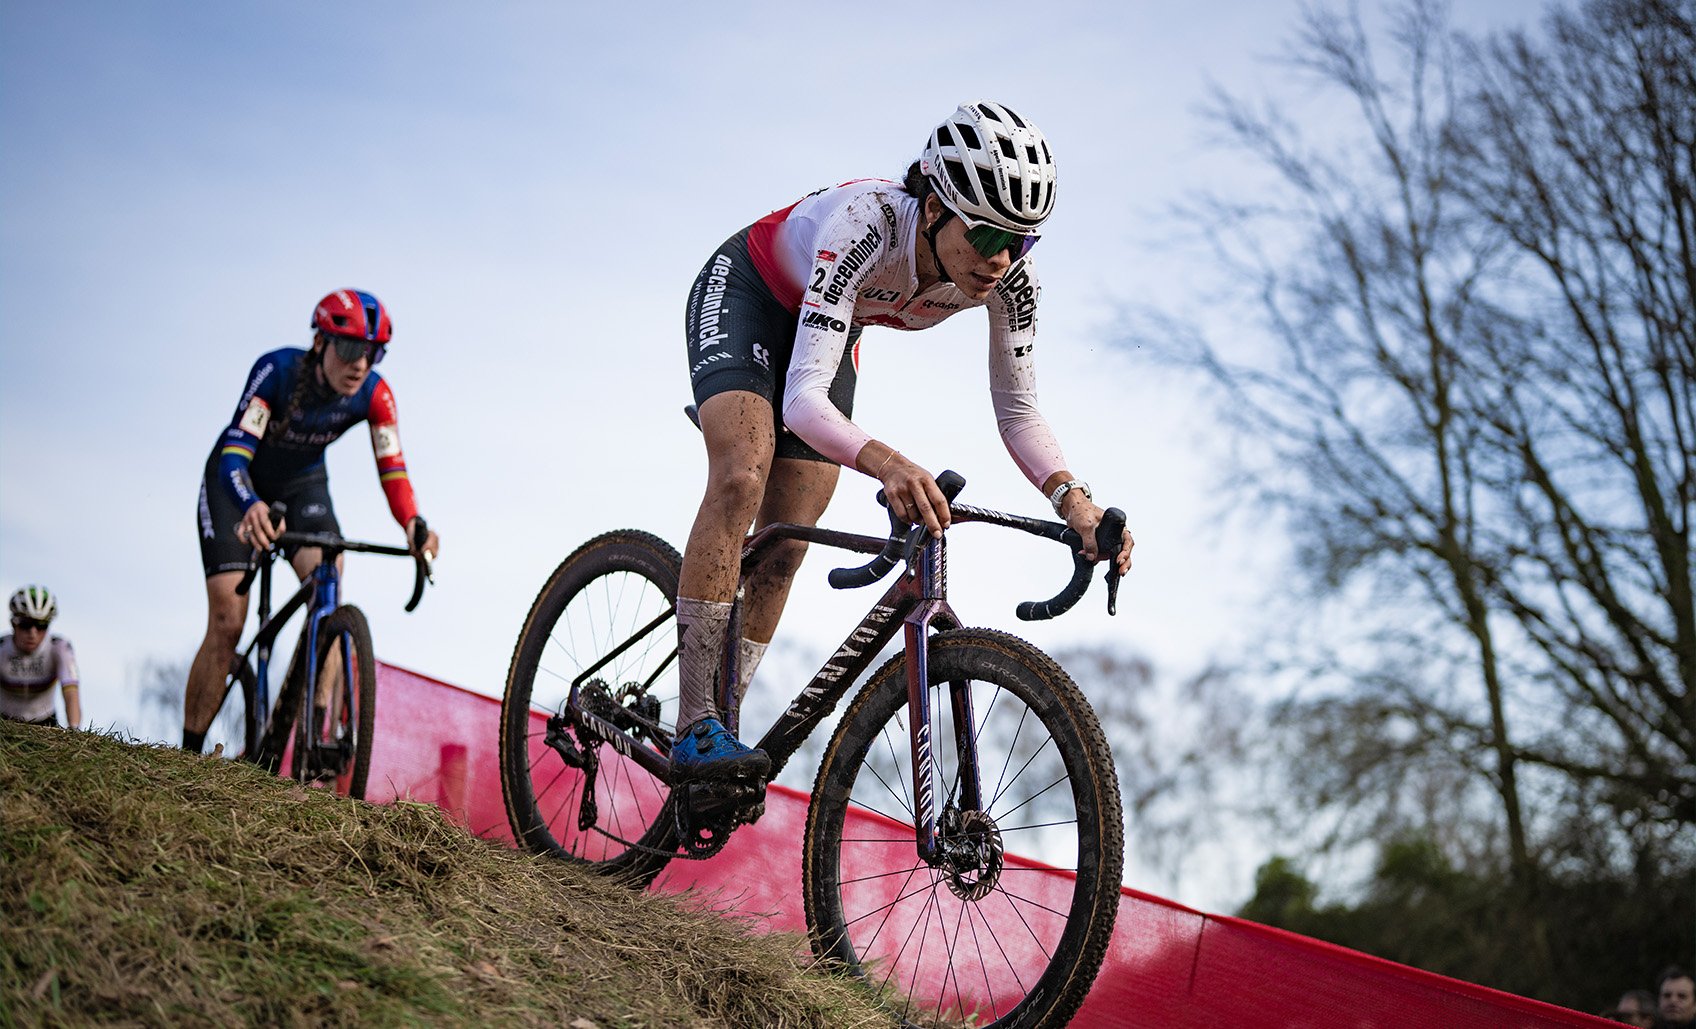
x: 1019, y: 294
x: 820, y: 320
x: 857, y: 256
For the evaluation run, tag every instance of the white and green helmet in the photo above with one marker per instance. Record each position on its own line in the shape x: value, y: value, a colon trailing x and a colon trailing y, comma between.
x: 35, y: 602
x: 991, y: 167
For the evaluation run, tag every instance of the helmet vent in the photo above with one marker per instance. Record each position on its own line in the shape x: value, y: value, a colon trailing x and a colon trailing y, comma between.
x: 957, y: 172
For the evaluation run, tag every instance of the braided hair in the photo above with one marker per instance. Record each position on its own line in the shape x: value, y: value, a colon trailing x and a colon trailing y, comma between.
x: 305, y: 383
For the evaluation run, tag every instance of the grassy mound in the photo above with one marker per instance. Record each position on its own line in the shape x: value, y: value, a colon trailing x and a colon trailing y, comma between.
x: 139, y: 885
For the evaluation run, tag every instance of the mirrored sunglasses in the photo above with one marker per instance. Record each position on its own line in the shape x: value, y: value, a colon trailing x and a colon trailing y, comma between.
x: 351, y: 349
x: 989, y: 241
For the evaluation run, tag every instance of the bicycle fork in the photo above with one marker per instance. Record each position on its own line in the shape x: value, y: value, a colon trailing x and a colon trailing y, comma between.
x: 932, y: 609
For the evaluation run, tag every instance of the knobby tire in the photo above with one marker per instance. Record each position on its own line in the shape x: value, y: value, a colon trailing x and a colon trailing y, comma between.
x: 357, y: 718
x: 598, y: 597
x: 1049, y: 788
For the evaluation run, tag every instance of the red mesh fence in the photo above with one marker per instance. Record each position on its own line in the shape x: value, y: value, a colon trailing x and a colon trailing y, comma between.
x: 1168, y: 965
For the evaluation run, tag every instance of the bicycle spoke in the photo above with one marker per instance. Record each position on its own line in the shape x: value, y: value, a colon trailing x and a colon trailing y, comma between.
x: 973, y: 933
x: 602, y: 624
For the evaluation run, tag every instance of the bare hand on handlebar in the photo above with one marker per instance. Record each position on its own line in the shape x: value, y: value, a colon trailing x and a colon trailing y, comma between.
x: 912, y: 492
x: 256, y: 528
x: 1082, y: 516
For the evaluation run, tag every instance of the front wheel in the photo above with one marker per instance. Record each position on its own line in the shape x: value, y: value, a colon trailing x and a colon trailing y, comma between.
x: 332, y: 743
x: 241, y: 723
x: 604, y: 619
x: 983, y: 934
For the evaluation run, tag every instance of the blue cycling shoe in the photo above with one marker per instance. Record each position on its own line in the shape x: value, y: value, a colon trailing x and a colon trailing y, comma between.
x: 709, y: 751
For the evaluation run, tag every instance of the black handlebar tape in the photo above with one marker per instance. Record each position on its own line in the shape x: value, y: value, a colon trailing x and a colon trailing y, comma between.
x: 904, y: 541
x: 1109, y: 540
x: 420, y: 533
x: 876, y: 568
x: 1060, y: 603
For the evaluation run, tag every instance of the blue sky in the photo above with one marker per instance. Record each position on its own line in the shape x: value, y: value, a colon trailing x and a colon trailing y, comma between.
x: 530, y: 188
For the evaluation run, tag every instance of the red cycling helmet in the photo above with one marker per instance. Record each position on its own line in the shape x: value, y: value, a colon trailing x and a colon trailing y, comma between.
x: 353, y: 312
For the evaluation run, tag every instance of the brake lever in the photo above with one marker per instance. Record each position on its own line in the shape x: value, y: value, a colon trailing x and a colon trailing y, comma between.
x: 1109, y: 541
x: 421, y: 533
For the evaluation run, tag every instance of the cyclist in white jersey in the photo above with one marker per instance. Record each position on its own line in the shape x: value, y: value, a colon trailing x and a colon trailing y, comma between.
x: 31, y: 662
x: 773, y: 327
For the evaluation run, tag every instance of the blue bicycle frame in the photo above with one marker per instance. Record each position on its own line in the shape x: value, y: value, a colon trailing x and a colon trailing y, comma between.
x: 322, y: 589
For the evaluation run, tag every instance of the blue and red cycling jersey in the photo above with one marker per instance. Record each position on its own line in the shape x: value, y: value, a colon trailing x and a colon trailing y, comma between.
x: 251, y: 466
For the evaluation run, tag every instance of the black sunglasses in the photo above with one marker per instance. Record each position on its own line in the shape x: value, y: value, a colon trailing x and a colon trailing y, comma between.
x: 21, y: 624
x: 352, y: 348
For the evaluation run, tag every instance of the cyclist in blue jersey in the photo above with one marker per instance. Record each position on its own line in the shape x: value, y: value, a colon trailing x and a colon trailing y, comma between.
x: 296, y: 403
x: 773, y: 327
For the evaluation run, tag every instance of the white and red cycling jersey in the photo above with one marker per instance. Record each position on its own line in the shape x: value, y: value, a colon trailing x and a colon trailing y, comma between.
x: 845, y: 256
x: 26, y: 680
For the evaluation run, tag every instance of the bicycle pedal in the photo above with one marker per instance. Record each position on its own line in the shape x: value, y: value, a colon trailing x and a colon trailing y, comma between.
x: 707, y: 812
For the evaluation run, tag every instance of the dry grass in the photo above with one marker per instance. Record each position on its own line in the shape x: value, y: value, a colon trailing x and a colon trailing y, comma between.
x: 142, y: 886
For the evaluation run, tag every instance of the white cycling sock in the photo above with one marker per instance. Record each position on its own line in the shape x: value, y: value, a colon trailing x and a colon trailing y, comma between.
x: 701, y: 627
x: 748, y: 654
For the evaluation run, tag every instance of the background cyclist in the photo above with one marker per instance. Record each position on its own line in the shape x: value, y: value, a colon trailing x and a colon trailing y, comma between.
x: 773, y: 326
x: 31, y: 661
x: 297, y: 402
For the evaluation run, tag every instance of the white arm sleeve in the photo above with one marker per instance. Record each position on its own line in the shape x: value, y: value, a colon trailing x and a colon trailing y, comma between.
x: 1012, y: 376
x: 848, y: 245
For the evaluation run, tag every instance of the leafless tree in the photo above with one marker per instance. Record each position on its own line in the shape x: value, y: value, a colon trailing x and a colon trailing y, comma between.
x: 1472, y: 402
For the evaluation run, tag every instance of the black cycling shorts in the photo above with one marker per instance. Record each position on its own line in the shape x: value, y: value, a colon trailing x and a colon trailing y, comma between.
x: 218, y: 514
x: 741, y: 338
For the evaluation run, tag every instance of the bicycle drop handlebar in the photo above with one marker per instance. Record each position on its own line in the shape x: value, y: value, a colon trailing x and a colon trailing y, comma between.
x: 905, y: 539
x: 333, y: 543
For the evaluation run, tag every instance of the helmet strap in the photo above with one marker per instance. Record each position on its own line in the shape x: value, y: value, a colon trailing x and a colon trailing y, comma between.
x: 930, y: 237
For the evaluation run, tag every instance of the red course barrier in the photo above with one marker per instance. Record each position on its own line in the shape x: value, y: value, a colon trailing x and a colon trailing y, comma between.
x: 1168, y: 966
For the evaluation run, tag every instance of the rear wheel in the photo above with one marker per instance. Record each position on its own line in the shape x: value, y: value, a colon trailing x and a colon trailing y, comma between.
x: 567, y: 793
x: 332, y: 742
x: 979, y: 935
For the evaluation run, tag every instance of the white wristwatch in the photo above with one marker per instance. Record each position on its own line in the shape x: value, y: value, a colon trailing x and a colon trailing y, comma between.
x: 1066, y: 487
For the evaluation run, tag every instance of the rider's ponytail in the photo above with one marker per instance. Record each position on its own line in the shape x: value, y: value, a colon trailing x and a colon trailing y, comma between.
x: 305, y: 379
x: 915, y: 183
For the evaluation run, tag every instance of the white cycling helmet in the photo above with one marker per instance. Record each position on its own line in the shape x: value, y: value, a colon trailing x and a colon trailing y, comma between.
x: 35, y: 602
x: 991, y: 167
